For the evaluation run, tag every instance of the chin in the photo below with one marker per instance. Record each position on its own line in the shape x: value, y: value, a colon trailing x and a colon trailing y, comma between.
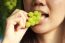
x: 40, y: 29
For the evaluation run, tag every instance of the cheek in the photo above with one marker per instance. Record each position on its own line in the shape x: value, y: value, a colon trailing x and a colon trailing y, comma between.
x: 55, y: 4
x: 57, y: 15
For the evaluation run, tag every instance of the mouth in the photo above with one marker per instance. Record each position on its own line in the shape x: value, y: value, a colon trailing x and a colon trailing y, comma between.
x: 46, y: 15
x: 44, y: 12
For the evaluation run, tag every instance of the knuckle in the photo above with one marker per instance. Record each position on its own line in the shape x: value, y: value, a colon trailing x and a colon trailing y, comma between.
x: 15, y: 11
x: 8, y: 20
x: 23, y: 12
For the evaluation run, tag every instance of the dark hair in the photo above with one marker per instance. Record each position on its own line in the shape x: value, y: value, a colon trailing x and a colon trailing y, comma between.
x: 29, y: 37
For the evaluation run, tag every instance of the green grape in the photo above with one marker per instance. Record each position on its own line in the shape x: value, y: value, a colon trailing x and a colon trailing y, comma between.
x: 28, y: 24
x: 37, y: 20
x: 14, y: 2
x: 30, y: 19
x: 32, y: 22
x: 34, y: 18
x: 30, y: 14
x: 38, y: 16
x: 10, y: 4
x: 36, y: 13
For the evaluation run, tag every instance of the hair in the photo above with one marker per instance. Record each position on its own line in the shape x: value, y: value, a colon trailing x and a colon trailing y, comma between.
x: 30, y: 36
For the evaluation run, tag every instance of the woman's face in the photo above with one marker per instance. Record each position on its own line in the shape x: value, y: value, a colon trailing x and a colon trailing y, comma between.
x: 53, y: 13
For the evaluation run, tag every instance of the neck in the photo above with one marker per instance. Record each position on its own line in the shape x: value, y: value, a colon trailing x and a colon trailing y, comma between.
x: 53, y: 36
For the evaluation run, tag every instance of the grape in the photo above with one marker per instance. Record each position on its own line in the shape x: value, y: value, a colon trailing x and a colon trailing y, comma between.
x: 28, y: 24
x: 36, y: 13
x: 34, y: 18
x: 10, y: 4
x: 30, y: 20
x: 30, y: 14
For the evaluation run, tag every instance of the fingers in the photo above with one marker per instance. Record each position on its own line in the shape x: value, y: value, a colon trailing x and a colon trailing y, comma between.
x: 15, y: 11
x: 21, y: 18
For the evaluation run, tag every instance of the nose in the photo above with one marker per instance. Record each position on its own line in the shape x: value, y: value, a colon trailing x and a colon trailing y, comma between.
x: 39, y: 2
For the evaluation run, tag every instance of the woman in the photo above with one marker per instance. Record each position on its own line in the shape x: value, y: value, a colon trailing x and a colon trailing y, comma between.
x: 49, y: 30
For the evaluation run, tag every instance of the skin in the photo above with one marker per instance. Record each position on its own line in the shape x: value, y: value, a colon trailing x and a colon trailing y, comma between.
x: 54, y: 10
x: 48, y: 29
x: 52, y: 26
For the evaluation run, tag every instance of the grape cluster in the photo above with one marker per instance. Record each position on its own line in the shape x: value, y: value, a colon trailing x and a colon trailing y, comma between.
x: 10, y: 3
x: 34, y: 18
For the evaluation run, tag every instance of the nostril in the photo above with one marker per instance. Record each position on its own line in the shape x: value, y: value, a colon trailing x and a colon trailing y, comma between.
x: 41, y: 4
x: 38, y: 4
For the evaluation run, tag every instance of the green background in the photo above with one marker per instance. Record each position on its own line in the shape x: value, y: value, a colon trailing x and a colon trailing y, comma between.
x: 5, y: 12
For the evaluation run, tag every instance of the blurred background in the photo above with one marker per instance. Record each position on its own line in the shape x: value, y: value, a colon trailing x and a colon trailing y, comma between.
x: 6, y: 8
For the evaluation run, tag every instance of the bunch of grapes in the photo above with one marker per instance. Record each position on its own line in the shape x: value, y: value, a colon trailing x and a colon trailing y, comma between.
x: 34, y: 18
x: 10, y: 3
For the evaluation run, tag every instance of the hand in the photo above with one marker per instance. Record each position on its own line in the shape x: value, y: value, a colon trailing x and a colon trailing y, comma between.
x: 15, y: 26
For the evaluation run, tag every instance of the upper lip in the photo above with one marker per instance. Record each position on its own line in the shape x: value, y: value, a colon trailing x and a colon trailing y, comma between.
x: 44, y: 14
